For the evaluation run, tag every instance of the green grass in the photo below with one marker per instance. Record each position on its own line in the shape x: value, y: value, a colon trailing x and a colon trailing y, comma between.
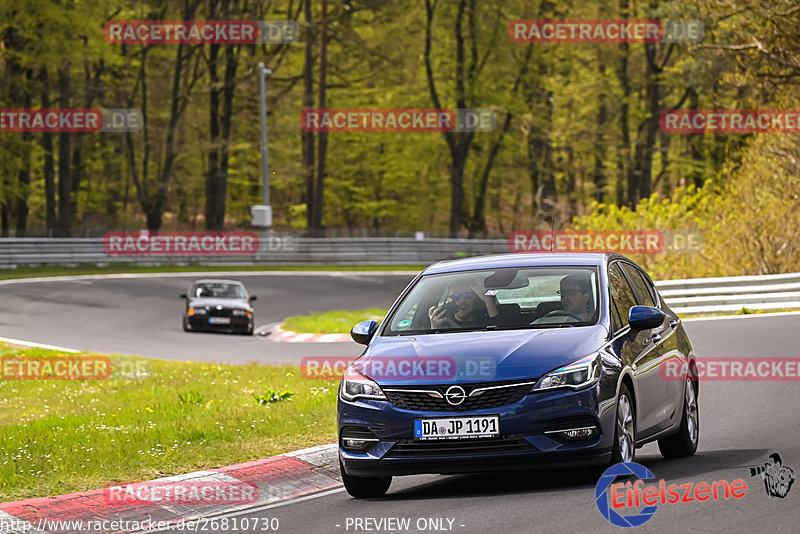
x: 30, y: 272
x: 331, y: 322
x: 61, y: 436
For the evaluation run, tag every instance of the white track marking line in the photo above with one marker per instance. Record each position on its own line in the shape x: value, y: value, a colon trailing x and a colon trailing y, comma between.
x: 36, y: 345
x: 748, y: 316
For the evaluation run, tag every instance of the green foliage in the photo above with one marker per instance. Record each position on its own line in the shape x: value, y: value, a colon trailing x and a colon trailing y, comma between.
x: 192, y: 397
x: 272, y: 395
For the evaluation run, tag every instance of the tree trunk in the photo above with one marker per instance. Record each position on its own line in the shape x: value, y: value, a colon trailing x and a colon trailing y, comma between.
x: 308, y: 102
x: 49, y: 168
x: 319, y: 187
x: 64, y: 163
x: 24, y: 179
x: 213, y: 219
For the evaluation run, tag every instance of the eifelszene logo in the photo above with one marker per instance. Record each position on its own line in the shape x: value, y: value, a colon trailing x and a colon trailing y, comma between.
x: 777, y: 478
x: 634, y: 495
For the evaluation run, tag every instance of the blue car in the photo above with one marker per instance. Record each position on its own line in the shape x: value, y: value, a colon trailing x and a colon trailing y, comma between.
x: 516, y: 361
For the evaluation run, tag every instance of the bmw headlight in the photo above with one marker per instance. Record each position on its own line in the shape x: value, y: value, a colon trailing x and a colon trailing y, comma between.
x: 355, y: 385
x: 240, y: 313
x: 198, y: 311
x: 577, y: 375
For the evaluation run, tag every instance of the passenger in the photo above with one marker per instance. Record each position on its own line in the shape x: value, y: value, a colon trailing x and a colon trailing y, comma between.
x: 467, y: 307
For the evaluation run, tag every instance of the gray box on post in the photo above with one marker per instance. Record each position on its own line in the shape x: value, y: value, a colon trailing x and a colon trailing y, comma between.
x: 261, y: 216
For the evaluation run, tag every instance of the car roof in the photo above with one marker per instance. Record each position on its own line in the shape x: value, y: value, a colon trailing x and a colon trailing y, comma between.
x: 520, y: 260
x: 217, y: 281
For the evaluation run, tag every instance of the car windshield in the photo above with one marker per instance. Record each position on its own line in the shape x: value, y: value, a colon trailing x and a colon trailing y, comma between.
x: 220, y: 290
x: 498, y: 299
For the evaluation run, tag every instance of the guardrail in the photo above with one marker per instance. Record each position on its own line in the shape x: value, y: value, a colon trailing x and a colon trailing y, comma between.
x: 732, y: 293
x: 701, y: 295
x: 278, y: 249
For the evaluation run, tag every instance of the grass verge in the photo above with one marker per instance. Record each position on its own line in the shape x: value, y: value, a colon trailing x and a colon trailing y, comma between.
x: 331, y: 322
x: 62, y: 436
x: 30, y: 272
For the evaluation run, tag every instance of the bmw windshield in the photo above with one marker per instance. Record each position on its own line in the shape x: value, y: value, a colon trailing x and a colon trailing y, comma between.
x: 498, y: 299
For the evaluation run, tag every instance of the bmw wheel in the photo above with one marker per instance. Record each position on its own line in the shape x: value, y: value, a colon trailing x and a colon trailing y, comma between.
x: 624, y: 448
x: 684, y: 443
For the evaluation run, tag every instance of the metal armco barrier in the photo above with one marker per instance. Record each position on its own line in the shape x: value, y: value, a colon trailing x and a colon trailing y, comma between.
x: 701, y: 295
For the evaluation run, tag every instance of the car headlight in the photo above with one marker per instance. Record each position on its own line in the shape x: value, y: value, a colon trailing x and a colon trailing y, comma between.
x: 198, y: 311
x: 577, y: 375
x: 240, y: 313
x: 355, y: 385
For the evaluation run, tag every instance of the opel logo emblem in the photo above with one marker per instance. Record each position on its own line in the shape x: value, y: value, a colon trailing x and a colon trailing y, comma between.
x: 455, y: 395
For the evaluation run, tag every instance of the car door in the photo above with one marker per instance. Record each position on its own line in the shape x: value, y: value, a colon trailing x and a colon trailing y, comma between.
x: 669, y: 346
x: 645, y: 357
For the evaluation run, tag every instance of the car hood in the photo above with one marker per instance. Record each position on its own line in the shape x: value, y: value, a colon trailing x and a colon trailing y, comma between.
x: 468, y: 357
x: 213, y: 302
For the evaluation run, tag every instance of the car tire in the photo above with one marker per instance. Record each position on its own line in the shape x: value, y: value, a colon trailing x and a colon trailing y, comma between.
x: 365, y: 487
x: 684, y: 443
x: 624, y: 446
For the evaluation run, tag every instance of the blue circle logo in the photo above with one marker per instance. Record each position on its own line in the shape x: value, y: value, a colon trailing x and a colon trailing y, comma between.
x: 601, y: 494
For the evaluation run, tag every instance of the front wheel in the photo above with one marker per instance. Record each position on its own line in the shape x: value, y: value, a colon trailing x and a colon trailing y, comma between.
x: 365, y: 487
x: 684, y: 443
x: 624, y: 448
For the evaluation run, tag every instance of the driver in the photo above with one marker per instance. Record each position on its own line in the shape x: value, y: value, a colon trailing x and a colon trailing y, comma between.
x: 470, y: 308
x: 576, y: 294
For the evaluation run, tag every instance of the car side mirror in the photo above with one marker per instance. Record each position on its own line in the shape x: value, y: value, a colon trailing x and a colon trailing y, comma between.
x: 363, y: 331
x: 252, y: 298
x: 183, y: 296
x: 645, y: 317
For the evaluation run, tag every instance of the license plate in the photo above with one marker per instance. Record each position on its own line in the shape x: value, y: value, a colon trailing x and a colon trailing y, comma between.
x: 487, y: 426
x: 219, y: 320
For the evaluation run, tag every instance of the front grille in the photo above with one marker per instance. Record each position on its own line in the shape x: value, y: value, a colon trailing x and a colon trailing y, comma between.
x: 419, y: 400
x: 406, y: 448
x: 224, y: 312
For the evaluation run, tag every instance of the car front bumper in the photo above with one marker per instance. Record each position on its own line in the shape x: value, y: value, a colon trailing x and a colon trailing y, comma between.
x: 200, y: 322
x: 526, y: 436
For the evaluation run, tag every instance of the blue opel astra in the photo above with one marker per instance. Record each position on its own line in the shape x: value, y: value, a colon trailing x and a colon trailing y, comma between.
x: 514, y: 361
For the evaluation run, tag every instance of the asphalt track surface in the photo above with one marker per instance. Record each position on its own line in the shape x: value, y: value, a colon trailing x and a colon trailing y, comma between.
x: 741, y: 423
x: 141, y: 315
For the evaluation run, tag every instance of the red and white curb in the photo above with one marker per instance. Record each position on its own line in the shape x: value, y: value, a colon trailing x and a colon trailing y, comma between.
x: 287, y: 336
x: 279, y: 478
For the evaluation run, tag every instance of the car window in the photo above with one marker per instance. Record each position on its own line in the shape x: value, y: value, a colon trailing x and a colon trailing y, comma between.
x: 507, y: 298
x: 621, y: 292
x: 643, y: 295
x: 616, y: 318
x: 218, y: 290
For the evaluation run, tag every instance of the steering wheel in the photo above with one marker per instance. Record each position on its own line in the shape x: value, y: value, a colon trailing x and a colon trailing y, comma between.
x: 553, y: 313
